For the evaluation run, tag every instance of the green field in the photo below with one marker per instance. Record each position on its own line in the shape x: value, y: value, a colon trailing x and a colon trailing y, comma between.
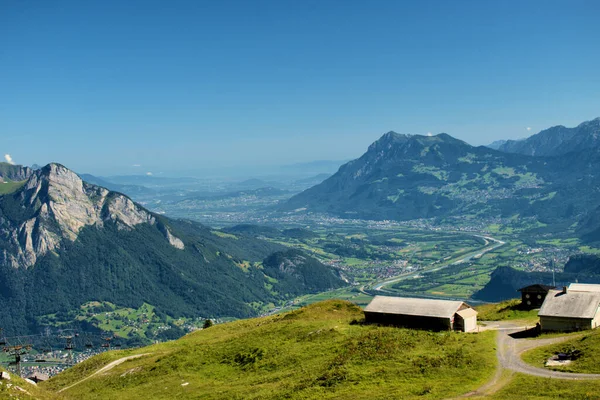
x: 368, y: 255
x: 10, y: 187
x: 505, y: 311
x: 525, y: 387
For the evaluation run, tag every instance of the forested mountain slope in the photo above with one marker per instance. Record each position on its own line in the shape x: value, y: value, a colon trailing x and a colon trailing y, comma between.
x: 64, y: 242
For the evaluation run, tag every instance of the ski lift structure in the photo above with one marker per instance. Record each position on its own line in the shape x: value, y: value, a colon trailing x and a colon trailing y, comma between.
x: 47, y: 348
x: 17, y: 351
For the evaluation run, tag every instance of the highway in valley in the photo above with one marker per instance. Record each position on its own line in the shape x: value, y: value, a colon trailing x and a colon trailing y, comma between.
x: 490, y: 245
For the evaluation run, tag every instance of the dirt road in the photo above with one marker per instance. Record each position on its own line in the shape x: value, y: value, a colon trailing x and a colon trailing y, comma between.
x: 508, y: 352
x: 106, y: 368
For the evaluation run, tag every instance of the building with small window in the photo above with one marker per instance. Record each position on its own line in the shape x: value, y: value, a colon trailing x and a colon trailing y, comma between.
x: 533, y: 296
x: 416, y: 313
x: 570, y: 310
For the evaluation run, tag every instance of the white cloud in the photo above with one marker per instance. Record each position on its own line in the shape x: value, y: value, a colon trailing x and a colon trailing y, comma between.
x: 528, y: 128
x: 136, y: 165
x: 149, y: 173
x: 9, y: 159
x: 429, y: 134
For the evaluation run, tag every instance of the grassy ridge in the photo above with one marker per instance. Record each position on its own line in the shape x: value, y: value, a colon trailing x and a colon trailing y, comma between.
x: 320, y: 351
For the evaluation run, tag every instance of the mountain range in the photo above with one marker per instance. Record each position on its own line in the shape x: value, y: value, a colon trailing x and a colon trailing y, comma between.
x: 556, y: 141
x: 404, y: 177
x: 65, y: 242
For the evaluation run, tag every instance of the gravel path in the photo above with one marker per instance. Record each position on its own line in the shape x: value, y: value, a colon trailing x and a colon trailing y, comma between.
x: 509, y: 350
x: 106, y: 368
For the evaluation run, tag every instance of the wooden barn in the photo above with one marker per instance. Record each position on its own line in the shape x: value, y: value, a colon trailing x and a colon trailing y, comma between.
x: 422, y: 313
x: 570, y: 310
x: 533, y: 296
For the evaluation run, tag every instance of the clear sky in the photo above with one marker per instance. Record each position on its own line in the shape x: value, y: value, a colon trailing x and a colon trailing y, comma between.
x: 101, y: 86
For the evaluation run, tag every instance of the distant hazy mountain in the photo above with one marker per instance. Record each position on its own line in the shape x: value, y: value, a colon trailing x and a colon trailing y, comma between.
x: 130, y: 190
x: 313, y: 180
x: 64, y: 242
x: 255, y: 183
x: 259, y: 193
x: 314, y: 167
x: 497, y: 144
x: 412, y: 176
x: 148, y: 180
x: 557, y: 140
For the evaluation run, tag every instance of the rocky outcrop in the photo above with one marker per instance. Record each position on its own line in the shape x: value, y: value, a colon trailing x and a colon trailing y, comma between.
x: 54, y: 205
x: 174, y: 241
x: 10, y: 172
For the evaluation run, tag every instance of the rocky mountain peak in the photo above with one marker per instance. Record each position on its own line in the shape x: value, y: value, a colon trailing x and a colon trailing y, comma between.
x: 557, y: 140
x: 591, y: 123
x: 396, y: 146
x: 54, y: 205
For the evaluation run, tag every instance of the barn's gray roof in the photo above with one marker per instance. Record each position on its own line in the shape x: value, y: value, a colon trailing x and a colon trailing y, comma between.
x: 572, y: 304
x: 584, y: 287
x: 412, y: 306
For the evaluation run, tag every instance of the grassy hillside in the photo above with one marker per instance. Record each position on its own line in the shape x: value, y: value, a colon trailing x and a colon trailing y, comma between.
x: 320, y: 351
x: 10, y: 187
x: 17, y: 388
x: 586, y: 347
x: 504, y: 311
x: 525, y: 387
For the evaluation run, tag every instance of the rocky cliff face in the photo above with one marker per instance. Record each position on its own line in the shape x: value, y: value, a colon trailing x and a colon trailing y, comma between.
x: 10, y: 172
x: 53, y: 206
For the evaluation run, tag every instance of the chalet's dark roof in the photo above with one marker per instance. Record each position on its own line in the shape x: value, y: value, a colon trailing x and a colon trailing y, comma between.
x: 537, y: 288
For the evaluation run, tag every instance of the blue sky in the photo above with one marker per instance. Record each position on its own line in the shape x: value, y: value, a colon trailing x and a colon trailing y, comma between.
x: 177, y: 85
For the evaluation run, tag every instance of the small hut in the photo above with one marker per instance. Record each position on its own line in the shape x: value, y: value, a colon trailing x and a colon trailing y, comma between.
x: 533, y: 296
